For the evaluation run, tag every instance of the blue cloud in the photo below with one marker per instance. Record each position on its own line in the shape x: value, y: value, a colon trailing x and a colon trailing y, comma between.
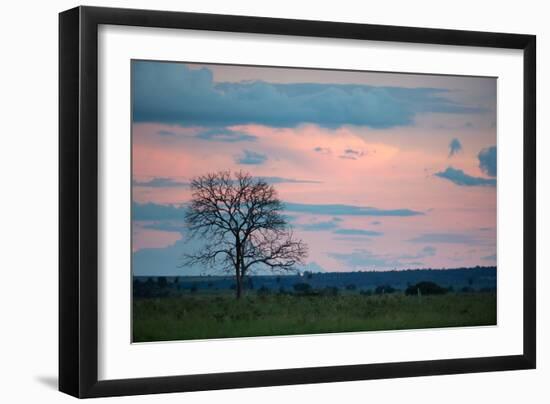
x: 319, y: 226
x: 251, y: 158
x: 322, y: 150
x: 160, y: 182
x: 459, y: 177
x: 311, y: 267
x: 361, y: 259
x: 350, y: 210
x: 166, y: 133
x: 170, y: 226
x: 454, y: 147
x: 176, y: 94
x: 166, y: 261
x: 334, y: 225
x: 282, y: 180
x: 326, y: 225
x: 157, y: 212
x: 153, y: 211
x: 357, y: 232
x: 376, y: 222
x: 225, y: 135
x: 445, y: 238
x: 427, y: 251
x: 492, y: 257
x: 488, y: 161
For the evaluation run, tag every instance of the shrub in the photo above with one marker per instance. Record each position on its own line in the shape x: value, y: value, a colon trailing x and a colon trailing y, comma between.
x: 330, y: 291
x: 426, y: 288
x: 263, y: 291
x: 162, y: 282
x: 383, y: 289
x: 302, y: 287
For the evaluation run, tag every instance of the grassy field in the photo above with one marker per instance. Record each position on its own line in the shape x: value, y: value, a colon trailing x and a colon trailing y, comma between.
x: 203, y: 316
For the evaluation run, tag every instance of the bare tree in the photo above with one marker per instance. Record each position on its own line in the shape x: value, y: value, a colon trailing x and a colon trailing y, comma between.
x: 239, y: 218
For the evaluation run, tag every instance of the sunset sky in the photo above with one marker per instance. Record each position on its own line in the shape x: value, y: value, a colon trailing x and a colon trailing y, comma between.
x: 378, y: 171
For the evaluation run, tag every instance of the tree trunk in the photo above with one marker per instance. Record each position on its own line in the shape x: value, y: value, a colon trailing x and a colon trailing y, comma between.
x: 238, y: 274
x: 239, y: 287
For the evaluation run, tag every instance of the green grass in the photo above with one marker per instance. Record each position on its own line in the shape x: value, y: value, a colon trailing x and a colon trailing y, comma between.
x: 222, y: 316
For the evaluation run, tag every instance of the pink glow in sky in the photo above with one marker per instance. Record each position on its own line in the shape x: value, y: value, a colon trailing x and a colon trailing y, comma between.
x: 384, y: 143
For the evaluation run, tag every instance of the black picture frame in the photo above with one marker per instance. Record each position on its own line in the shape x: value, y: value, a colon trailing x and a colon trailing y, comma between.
x: 78, y: 201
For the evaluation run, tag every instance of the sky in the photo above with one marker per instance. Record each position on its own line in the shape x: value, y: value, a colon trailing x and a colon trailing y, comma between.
x: 377, y: 171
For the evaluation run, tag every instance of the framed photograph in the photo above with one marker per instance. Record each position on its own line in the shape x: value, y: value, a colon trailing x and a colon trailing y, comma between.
x: 251, y: 201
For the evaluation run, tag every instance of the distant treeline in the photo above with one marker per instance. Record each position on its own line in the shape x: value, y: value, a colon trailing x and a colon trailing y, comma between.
x: 418, y: 281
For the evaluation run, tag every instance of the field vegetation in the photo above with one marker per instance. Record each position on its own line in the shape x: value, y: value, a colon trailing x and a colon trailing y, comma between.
x: 203, y: 315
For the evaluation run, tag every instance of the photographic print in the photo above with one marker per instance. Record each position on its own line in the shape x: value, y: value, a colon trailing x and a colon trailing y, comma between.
x: 272, y: 201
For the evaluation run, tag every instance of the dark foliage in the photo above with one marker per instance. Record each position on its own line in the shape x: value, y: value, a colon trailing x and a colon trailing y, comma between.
x: 426, y: 288
x: 454, y: 280
x: 302, y: 287
x: 263, y: 291
x: 384, y: 289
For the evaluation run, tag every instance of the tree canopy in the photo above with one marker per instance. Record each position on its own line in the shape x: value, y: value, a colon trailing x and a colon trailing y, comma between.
x: 239, y: 219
